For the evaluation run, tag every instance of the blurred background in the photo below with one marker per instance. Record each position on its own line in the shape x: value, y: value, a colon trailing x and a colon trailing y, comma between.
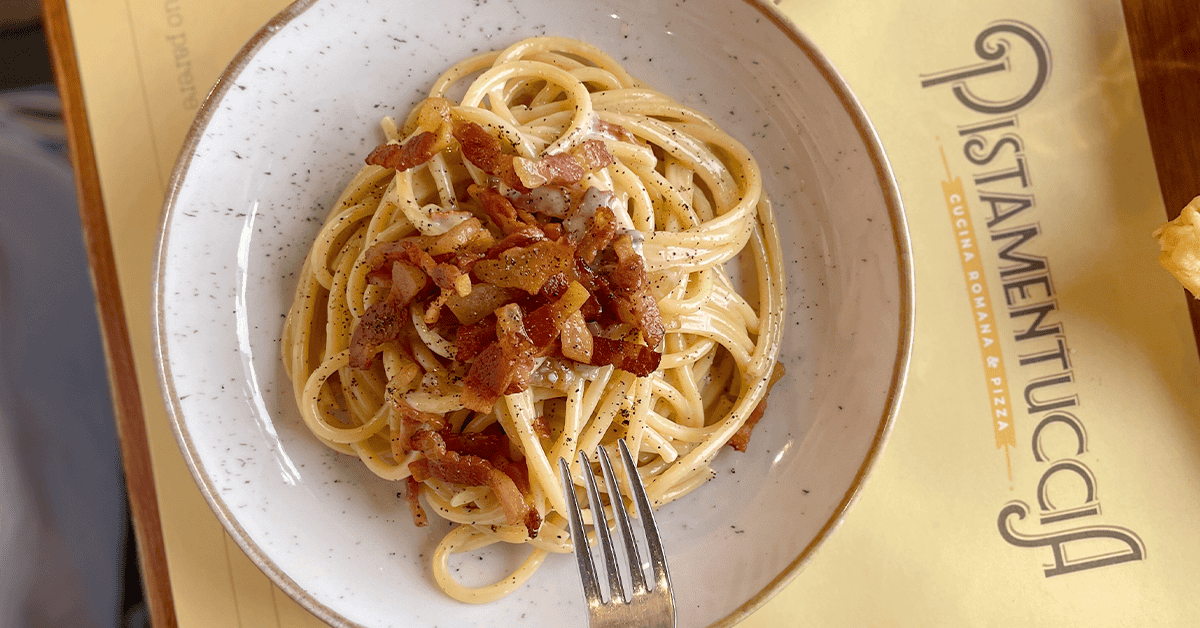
x: 67, y: 555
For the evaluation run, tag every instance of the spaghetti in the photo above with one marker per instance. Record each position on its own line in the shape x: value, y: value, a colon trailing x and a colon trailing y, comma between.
x: 534, y: 270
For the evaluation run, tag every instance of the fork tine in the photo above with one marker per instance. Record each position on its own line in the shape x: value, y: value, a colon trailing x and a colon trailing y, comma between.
x: 622, y: 518
x: 583, y: 554
x: 600, y: 523
x: 658, y: 558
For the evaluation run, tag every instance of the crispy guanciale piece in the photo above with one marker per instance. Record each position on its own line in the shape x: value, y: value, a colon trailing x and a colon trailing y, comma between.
x: 472, y: 339
x: 563, y: 168
x: 526, y: 268
x: 431, y: 135
x: 629, y: 274
x: 552, y: 201
x: 412, y: 490
x: 410, y: 422
x: 510, y: 331
x: 553, y: 230
x: 556, y: 286
x: 576, y: 339
x: 601, y: 294
x: 486, y: 445
x: 415, y: 151
x: 401, y: 434
x: 407, y: 282
x: 480, y: 147
x: 524, y: 510
x: 505, y: 366
x: 401, y: 278
x: 488, y: 378
x: 460, y: 238
x: 446, y: 465
x: 579, y: 216
x: 412, y: 268
x: 741, y: 438
x: 635, y: 304
x: 544, y: 324
x: 467, y: 470
x: 485, y: 152
x: 627, y: 356
x: 500, y: 209
x: 380, y: 323
x: 483, y: 300
x: 384, y: 252
x: 521, y: 238
x: 601, y: 229
x: 447, y: 276
x: 541, y: 426
x: 464, y: 238
x: 560, y: 169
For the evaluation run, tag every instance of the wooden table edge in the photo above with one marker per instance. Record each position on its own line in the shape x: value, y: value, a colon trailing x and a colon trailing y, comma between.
x: 122, y: 376
x: 1164, y: 41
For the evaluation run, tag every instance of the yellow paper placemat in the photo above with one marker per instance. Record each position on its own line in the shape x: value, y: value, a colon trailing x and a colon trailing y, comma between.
x: 1044, y: 466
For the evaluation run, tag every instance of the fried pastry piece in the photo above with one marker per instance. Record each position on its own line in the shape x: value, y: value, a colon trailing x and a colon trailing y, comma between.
x: 1179, y: 241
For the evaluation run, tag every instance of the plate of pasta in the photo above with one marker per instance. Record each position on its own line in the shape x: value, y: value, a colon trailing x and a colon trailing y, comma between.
x: 409, y: 260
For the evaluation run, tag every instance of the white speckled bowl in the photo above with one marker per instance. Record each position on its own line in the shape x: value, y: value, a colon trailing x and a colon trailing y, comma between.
x: 287, y: 125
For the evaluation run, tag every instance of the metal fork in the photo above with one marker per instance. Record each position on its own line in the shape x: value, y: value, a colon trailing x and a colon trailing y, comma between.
x: 638, y: 606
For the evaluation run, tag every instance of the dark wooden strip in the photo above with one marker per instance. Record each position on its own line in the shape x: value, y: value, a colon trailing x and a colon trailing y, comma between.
x: 1164, y: 37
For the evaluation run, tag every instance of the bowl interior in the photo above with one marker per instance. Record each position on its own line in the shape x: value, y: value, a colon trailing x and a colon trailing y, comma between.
x: 287, y: 126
